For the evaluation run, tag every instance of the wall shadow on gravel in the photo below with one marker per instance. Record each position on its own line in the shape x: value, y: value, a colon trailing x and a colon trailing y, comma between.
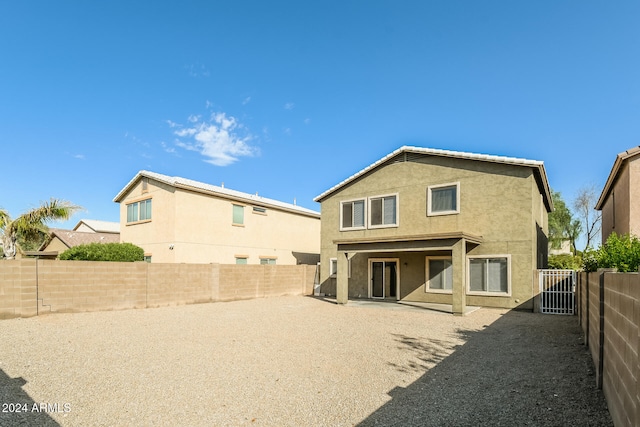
x: 13, y: 402
x: 524, y: 369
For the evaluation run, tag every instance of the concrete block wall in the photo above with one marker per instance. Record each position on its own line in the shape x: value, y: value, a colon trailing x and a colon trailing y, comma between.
x: 596, y: 318
x: 611, y: 318
x: 18, y: 289
x: 29, y: 287
x: 72, y: 286
x: 621, y: 370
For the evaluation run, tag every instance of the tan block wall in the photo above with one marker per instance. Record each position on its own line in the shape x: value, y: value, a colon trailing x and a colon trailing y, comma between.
x: 595, y: 313
x: 613, y: 301
x: 76, y: 286
x: 17, y: 289
x: 620, y: 373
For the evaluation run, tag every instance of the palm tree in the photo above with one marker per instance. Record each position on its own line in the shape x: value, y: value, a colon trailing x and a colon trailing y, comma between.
x: 31, y: 223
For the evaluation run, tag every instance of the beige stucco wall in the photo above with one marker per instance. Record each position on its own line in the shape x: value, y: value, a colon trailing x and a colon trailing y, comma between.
x: 621, y: 208
x: 194, y: 227
x: 56, y: 245
x: 500, y: 203
x: 616, y: 209
x: 634, y: 195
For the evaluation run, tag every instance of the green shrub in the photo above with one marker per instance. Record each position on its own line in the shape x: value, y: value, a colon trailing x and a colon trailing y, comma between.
x: 123, y: 252
x: 620, y: 252
x: 565, y: 262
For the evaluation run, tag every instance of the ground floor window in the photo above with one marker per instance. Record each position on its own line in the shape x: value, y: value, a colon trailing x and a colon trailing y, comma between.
x: 333, y: 267
x: 489, y: 275
x: 439, y: 274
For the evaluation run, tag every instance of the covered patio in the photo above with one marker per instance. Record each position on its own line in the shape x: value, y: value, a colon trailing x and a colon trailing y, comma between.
x: 377, y: 250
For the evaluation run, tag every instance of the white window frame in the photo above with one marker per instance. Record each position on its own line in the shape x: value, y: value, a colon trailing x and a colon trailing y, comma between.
x: 489, y: 293
x: 430, y: 212
x: 397, y: 213
x: 333, y: 268
x: 427, y: 288
x: 333, y: 273
x: 342, y: 203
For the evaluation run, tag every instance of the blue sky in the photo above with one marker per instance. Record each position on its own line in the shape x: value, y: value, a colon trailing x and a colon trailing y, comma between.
x: 288, y: 98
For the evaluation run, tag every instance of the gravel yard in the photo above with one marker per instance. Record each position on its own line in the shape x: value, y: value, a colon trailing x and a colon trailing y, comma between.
x: 297, y: 361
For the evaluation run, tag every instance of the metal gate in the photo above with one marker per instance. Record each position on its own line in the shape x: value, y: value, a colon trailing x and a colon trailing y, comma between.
x: 557, y: 291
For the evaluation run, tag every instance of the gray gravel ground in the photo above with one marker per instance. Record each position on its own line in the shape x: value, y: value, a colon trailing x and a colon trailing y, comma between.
x: 297, y: 361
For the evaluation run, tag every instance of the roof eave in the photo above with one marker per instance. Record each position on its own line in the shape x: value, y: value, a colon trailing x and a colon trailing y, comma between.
x: 613, y: 175
x: 545, y: 190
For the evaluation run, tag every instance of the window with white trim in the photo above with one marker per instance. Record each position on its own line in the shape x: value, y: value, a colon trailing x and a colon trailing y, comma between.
x: 352, y: 215
x: 333, y: 267
x: 439, y: 274
x: 139, y: 211
x: 443, y: 199
x: 490, y: 275
x: 383, y: 211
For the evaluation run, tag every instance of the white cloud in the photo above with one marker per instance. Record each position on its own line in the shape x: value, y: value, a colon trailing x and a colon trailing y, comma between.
x: 289, y: 106
x: 246, y: 100
x: 167, y: 148
x: 307, y: 121
x: 221, y: 139
x: 79, y: 156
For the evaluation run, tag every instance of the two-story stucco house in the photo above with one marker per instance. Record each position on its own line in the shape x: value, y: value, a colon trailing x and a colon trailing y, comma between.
x: 178, y: 220
x: 437, y: 226
x: 620, y: 197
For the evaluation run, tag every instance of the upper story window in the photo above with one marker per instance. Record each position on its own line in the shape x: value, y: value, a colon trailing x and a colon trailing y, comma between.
x: 267, y: 261
x: 352, y: 214
x: 443, y: 199
x: 139, y: 211
x: 383, y: 211
x: 259, y: 210
x: 371, y: 212
x: 238, y: 215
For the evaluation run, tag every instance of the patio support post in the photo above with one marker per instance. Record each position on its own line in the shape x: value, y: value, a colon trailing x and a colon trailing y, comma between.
x: 459, y: 257
x: 342, y: 278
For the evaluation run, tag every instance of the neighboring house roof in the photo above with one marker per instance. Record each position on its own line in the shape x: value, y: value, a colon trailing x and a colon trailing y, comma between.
x: 99, y: 226
x: 613, y: 175
x: 537, y: 166
x: 73, y: 238
x: 201, y: 187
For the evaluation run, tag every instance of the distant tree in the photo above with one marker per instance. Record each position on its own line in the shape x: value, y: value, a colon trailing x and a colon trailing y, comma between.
x: 565, y: 262
x: 589, y: 217
x: 30, y: 226
x: 121, y: 252
x: 562, y: 225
